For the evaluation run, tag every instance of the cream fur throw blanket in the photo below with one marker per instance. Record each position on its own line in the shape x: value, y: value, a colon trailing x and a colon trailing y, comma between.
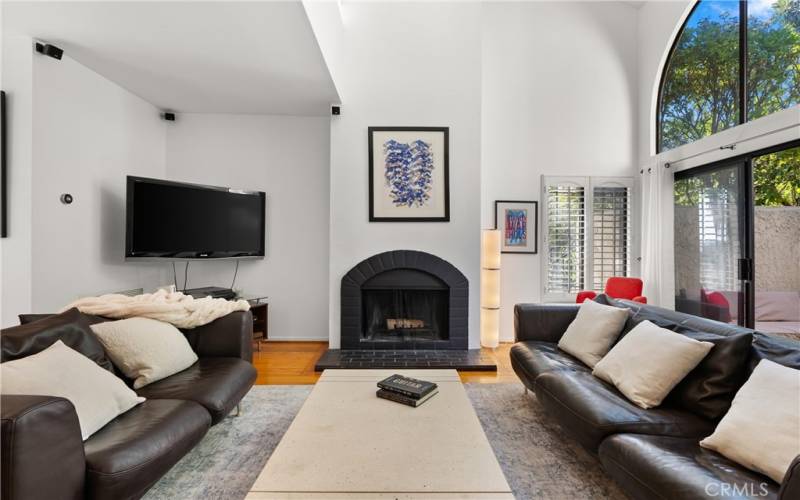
x: 183, y: 311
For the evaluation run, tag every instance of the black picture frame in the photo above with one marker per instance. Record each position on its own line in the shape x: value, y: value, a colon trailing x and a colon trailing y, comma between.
x: 531, y: 220
x: 3, y: 167
x: 446, y: 166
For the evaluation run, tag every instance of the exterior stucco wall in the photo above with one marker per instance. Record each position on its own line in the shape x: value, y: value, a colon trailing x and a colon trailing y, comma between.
x: 777, y: 232
x: 777, y: 246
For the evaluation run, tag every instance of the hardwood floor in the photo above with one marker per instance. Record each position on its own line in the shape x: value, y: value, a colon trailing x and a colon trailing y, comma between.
x: 293, y: 363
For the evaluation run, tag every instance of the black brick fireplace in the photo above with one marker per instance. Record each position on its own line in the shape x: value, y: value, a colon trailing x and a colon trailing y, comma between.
x: 405, y: 309
x: 404, y: 299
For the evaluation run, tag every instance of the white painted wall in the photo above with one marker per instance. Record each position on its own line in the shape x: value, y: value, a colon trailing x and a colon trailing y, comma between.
x: 411, y: 64
x: 286, y: 157
x: 88, y: 134
x: 15, y: 272
x: 558, y: 98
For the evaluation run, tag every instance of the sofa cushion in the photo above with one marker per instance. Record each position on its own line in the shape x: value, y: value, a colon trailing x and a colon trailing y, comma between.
x: 218, y: 384
x: 709, y: 389
x: 762, y: 429
x: 670, y: 467
x: 649, y: 362
x: 594, y: 330
x: 591, y: 409
x: 531, y: 358
x: 98, y: 396
x: 144, y: 349
x: 127, y: 456
x: 70, y: 327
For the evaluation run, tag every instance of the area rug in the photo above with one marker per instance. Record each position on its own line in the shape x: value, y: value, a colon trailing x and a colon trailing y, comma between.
x: 538, y: 459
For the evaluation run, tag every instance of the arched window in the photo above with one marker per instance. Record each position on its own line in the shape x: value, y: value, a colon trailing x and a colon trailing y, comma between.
x: 733, y: 61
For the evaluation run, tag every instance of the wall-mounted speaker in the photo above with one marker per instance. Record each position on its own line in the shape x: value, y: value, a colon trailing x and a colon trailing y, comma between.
x: 336, y: 110
x: 49, y: 50
x: 168, y: 116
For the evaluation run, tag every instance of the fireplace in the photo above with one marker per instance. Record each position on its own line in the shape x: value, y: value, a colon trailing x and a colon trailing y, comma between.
x: 404, y: 300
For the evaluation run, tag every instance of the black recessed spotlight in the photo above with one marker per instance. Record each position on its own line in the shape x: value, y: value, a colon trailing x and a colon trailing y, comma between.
x: 336, y: 110
x: 49, y: 50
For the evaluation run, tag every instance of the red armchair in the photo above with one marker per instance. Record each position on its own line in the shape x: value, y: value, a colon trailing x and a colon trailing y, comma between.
x: 618, y: 288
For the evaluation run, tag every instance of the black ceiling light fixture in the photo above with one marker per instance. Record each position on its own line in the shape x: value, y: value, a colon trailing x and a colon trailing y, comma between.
x: 49, y: 50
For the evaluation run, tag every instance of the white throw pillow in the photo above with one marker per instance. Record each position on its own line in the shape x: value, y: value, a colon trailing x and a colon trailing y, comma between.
x: 593, y: 331
x: 146, y: 350
x: 97, y: 395
x: 649, y: 361
x: 761, y: 431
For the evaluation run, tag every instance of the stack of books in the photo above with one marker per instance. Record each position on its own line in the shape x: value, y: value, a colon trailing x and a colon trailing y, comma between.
x: 406, y: 390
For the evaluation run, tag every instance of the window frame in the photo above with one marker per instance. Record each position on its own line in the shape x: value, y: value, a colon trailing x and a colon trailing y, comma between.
x: 742, y: 94
x: 588, y: 183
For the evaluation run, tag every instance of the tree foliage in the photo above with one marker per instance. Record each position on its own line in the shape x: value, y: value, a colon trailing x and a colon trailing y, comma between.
x: 701, y: 89
x: 776, y: 179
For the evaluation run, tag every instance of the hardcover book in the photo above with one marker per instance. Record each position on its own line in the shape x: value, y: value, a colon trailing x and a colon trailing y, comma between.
x: 407, y: 386
x: 403, y: 399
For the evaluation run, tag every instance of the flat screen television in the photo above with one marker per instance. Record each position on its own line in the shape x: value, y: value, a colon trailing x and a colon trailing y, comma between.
x: 176, y: 220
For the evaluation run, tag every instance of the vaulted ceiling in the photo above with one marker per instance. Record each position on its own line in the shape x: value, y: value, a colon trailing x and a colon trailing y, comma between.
x: 206, y: 57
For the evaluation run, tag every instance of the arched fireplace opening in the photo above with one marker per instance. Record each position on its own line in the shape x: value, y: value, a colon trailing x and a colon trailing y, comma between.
x: 404, y: 299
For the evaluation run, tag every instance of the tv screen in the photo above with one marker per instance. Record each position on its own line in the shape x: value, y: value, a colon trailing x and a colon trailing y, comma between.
x: 166, y: 219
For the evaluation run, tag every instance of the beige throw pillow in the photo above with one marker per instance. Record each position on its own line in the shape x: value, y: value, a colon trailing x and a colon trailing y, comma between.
x: 97, y: 395
x: 144, y: 349
x: 761, y: 431
x: 649, y: 361
x: 593, y: 331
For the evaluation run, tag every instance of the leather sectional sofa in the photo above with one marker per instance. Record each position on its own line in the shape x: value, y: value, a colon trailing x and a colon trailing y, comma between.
x: 43, y: 456
x: 652, y: 453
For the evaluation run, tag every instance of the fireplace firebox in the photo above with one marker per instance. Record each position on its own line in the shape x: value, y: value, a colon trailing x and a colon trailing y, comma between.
x: 404, y: 300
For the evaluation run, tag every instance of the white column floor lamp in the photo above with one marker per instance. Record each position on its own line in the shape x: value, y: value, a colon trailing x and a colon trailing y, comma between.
x: 490, y: 287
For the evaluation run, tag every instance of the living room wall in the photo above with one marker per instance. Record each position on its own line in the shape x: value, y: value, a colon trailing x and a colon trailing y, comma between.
x: 558, y: 98
x: 15, y: 250
x: 79, y: 133
x: 287, y: 157
x: 74, y: 131
x: 411, y: 64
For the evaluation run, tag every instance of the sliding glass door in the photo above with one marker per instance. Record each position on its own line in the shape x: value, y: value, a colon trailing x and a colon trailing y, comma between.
x: 711, y: 253
x: 737, y: 241
x: 776, y: 237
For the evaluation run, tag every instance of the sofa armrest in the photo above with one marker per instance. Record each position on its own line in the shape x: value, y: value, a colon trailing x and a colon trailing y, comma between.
x: 230, y: 336
x: 790, y: 487
x: 42, y: 450
x: 546, y: 322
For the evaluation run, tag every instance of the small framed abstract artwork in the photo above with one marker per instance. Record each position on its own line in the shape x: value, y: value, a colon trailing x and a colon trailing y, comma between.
x: 409, y: 179
x: 518, y: 222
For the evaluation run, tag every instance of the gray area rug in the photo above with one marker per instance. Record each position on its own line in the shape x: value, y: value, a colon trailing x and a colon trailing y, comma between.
x: 539, y: 461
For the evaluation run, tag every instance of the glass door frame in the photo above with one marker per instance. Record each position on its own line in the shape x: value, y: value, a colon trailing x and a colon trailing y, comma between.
x: 746, y: 268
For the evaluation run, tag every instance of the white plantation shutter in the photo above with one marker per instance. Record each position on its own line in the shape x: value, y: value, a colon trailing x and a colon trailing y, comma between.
x: 565, y: 235
x: 610, y: 231
x: 587, y: 233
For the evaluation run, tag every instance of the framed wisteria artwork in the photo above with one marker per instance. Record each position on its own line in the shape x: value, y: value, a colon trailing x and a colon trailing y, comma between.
x: 518, y: 222
x: 409, y: 179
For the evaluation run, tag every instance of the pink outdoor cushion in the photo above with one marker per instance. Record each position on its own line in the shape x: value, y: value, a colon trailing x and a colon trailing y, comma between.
x: 777, y: 306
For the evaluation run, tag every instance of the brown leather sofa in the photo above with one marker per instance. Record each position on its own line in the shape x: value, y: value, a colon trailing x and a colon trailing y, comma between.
x: 652, y: 453
x: 43, y: 456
